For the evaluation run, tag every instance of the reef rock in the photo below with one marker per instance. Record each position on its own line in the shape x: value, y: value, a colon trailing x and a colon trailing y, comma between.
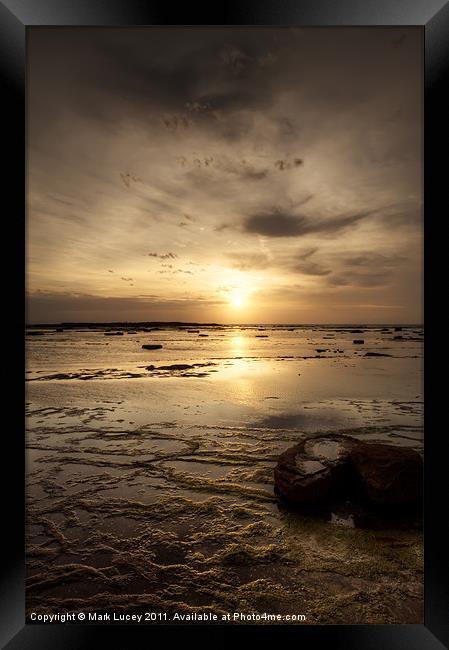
x: 389, y: 475
x: 329, y: 467
x: 310, y: 472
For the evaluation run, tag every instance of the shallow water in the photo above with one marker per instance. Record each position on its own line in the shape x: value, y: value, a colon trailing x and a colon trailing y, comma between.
x: 152, y: 486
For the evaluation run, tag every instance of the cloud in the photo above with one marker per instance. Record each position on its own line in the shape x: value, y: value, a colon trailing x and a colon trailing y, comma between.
x: 304, y: 255
x: 356, y: 279
x: 373, y: 260
x: 366, y: 269
x: 234, y: 59
x: 61, y: 306
x: 311, y: 268
x: 175, y: 122
x: 243, y: 169
x: 163, y: 256
x: 244, y: 261
x: 288, y: 164
x: 128, y: 179
x: 276, y: 223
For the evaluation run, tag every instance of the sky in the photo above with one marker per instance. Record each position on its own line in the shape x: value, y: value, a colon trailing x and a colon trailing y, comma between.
x: 232, y: 175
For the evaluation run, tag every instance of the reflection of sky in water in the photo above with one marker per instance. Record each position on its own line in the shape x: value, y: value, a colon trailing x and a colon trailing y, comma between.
x: 253, y: 382
x: 185, y: 463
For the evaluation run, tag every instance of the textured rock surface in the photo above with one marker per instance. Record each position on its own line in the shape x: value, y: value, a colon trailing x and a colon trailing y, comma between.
x: 310, y: 472
x: 321, y: 468
x: 390, y: 476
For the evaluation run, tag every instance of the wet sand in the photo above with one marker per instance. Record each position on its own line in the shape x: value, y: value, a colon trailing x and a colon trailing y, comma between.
x: 150, y: 472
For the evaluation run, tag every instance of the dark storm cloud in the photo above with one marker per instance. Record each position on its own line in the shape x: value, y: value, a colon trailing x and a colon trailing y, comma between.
x: 276, y: 223
x: 136, y: 71
x: 187, y: 74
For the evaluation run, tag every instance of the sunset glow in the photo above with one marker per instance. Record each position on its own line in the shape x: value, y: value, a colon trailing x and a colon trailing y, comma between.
x: 200, y: 180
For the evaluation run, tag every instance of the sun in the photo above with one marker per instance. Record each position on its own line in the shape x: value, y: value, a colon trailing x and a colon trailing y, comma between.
x: 237, y: 298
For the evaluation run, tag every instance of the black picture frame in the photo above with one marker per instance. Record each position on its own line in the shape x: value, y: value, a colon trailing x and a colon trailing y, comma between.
x: 433, y: 16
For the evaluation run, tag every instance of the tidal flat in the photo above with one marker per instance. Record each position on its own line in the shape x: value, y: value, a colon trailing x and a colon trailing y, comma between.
x: 150, y: 471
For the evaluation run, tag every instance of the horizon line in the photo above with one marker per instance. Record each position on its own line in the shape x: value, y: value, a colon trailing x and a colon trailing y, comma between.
x: 214, y: 324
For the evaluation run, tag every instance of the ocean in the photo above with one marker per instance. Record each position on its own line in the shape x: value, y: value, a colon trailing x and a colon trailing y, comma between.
x: 150, y: 471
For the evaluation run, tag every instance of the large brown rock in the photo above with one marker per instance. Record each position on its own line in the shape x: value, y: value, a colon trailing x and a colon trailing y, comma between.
x: 310, y: 472
x: 321, y: 468
x: 389, y: 475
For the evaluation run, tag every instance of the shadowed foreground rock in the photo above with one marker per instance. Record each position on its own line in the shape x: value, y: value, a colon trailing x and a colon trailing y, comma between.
x: 310, y: 472
x: 390, y: 476
x: 325, y: 468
